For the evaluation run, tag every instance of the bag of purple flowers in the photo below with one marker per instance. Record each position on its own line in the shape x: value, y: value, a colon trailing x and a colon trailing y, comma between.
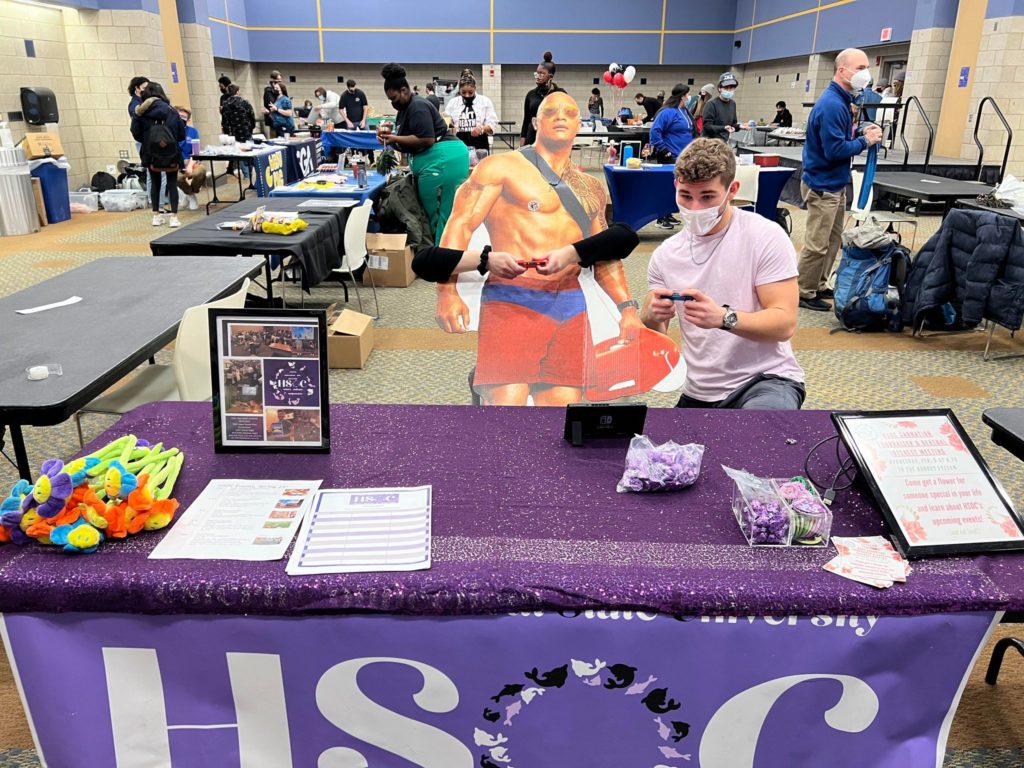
x: 666, y: 467
x: 812, y: 520
x: 761, y: 512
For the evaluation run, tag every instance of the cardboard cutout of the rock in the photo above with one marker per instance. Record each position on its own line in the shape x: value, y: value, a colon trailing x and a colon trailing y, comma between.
x: 547, y: 339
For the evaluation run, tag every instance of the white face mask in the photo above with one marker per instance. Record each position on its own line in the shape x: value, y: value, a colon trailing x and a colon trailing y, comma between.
x: 703, y: 221
x: 860, y: 80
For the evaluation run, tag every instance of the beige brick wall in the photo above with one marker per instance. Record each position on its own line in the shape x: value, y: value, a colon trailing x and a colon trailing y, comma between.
x: 757, y: 99
x: 927, y: 63
x: 50, y: 68
x: 204, y: 95
x: 998, y: 73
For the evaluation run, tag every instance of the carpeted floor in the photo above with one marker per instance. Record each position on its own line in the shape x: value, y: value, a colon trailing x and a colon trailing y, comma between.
x: 414, y: 362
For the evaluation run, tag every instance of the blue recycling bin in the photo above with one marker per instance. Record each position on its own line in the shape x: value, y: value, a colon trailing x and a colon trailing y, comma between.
x: 56, y: 199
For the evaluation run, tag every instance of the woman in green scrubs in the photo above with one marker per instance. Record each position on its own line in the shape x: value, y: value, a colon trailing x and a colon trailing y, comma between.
x: 439, y: 161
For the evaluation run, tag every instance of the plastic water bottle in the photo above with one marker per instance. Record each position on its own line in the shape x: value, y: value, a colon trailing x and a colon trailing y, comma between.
x: 6, y: 137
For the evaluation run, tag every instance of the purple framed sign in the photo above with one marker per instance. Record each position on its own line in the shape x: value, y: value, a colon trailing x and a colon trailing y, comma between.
x: 577, y: 689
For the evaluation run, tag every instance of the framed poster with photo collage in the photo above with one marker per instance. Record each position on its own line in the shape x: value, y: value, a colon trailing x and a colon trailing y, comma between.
x: 269, y: 370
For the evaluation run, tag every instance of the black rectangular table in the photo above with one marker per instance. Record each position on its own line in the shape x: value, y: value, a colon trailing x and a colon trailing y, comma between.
x: 1007, y: 428
x: 318, y: 248
x: 973, y: 204
x: 928, y: 186
x: 131, y: 307
x: 225, y: 158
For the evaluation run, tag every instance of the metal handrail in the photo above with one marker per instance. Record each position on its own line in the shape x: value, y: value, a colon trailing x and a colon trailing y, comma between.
x: 981, y: 147
x: 927, y: 123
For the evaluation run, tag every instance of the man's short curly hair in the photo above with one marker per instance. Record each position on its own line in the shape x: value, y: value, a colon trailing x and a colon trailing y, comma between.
x: 704, y: 160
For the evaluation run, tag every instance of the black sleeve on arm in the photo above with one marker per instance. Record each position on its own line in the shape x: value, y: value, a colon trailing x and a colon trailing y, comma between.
x: 436, y: 264
x: 525, y: 130
x: 616, y: 242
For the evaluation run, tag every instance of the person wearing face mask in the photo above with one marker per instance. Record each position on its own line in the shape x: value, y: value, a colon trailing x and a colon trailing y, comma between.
x: 720, y: 113
x: 472, y: 114
x: 736, y: 273
x: 326, y: 107
x: 544, y: 77
x: 439, y: 162
x: 353, y: 106
x: 829, y: 148
x: 783, y: 117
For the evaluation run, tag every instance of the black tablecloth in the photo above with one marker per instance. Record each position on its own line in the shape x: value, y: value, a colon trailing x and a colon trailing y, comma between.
x: 319, y: 247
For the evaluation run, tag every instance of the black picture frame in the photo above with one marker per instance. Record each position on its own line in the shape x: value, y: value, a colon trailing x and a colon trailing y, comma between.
x: 220, y: 320
x: 591, y: 421
x: 903, y: 539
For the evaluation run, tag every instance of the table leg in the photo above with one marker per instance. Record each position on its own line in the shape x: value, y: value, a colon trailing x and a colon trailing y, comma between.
x: 20, y: 455
x: 270, y: 282
x: 214, y: 200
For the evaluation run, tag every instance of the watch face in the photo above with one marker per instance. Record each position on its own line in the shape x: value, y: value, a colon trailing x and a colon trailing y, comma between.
x: 730, y: 318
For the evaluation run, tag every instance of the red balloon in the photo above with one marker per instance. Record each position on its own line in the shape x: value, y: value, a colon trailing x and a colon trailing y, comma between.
x: 619, y: 80
x: 608, y: 77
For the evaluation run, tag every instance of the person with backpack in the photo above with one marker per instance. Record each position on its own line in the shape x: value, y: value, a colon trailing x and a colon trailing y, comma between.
x: 159, y: 130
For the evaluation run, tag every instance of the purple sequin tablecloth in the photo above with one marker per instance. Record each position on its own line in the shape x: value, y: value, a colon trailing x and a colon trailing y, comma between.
x: 521, y: 520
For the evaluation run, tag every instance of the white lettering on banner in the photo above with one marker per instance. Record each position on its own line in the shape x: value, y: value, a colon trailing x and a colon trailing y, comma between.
x: 730, y: 738
x: 340, y: 700
x: 591, y: 614
x: 304, y: 156
x: 138, y: 716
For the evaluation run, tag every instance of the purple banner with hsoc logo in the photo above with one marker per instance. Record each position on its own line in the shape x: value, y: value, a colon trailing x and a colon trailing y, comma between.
x: 597, y: 688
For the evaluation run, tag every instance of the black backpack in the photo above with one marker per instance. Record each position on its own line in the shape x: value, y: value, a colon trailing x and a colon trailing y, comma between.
x: 102, y: 182
x: 163, y: 148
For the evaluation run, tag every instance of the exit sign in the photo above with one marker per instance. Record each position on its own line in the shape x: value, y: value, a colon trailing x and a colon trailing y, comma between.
x: 886, y: 35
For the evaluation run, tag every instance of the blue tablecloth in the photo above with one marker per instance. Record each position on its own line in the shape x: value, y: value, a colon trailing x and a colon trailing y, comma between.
x: 375, y: 183
x: 639, y: 196
x: 301, y: 158
x: 350, y: 140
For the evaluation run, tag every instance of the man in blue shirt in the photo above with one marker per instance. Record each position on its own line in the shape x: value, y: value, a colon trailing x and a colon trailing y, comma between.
x: 828, y: 151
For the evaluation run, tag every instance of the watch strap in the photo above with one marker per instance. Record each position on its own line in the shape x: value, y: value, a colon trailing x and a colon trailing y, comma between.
x: 628, y: 303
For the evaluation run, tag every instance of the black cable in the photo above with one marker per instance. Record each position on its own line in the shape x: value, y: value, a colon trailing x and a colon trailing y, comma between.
x: 830, y: 489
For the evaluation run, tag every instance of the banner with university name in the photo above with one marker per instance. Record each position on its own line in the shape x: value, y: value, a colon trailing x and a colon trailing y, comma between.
x: 269, y: 171
x: 575, y: 689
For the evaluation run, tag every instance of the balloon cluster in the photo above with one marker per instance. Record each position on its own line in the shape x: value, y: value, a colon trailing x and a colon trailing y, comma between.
x: 619, y: 76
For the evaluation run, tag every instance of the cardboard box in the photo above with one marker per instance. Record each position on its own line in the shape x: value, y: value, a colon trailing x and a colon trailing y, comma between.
x: 39, y: 145
x: 37, y: 189
x: 349, y: 338
x: 390, y: 259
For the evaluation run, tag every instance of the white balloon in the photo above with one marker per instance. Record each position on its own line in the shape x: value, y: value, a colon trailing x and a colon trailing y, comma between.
x: 613, y: 68
x: 629, y: 74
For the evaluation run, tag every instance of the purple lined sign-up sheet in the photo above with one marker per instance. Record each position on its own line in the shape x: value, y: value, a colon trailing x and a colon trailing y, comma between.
x: 359, y: 530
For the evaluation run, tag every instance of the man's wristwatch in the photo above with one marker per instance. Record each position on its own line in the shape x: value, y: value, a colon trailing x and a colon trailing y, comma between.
x: 630, y: 303
x: 730, y: 319
x: 482, y: 266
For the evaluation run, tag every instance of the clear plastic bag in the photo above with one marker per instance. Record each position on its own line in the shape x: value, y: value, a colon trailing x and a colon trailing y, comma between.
x: 666, y: 467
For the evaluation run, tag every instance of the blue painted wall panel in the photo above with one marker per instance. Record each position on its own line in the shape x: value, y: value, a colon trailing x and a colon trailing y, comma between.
x: 998, y: 9
x: 937, y: 13
x: 778, y: 8
x: 219, y: 37
x: 89, y: 5
x: 235, y: 10
x: 698, y: 49
x: 739, y: 55
x: 240, y: 45
x: 793, y: 37
x: 573, y: 49
x: 409, y: 14
x: 281, y: 46
x: 696, y: 14
x: 744, y: 13
x: 273, y: 13
x: 581, y: 14
x: 406, y: 47
x: 859, y: 24
x: 193, y: 12
x: 128, y: 5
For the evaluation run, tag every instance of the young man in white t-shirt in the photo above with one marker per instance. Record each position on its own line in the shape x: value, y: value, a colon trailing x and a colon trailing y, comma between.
x: 735, y: 273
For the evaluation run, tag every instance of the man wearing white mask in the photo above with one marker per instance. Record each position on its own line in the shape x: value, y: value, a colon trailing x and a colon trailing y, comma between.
x: 730, y: 278
x: 326, y: 107
x: 828, y: 151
